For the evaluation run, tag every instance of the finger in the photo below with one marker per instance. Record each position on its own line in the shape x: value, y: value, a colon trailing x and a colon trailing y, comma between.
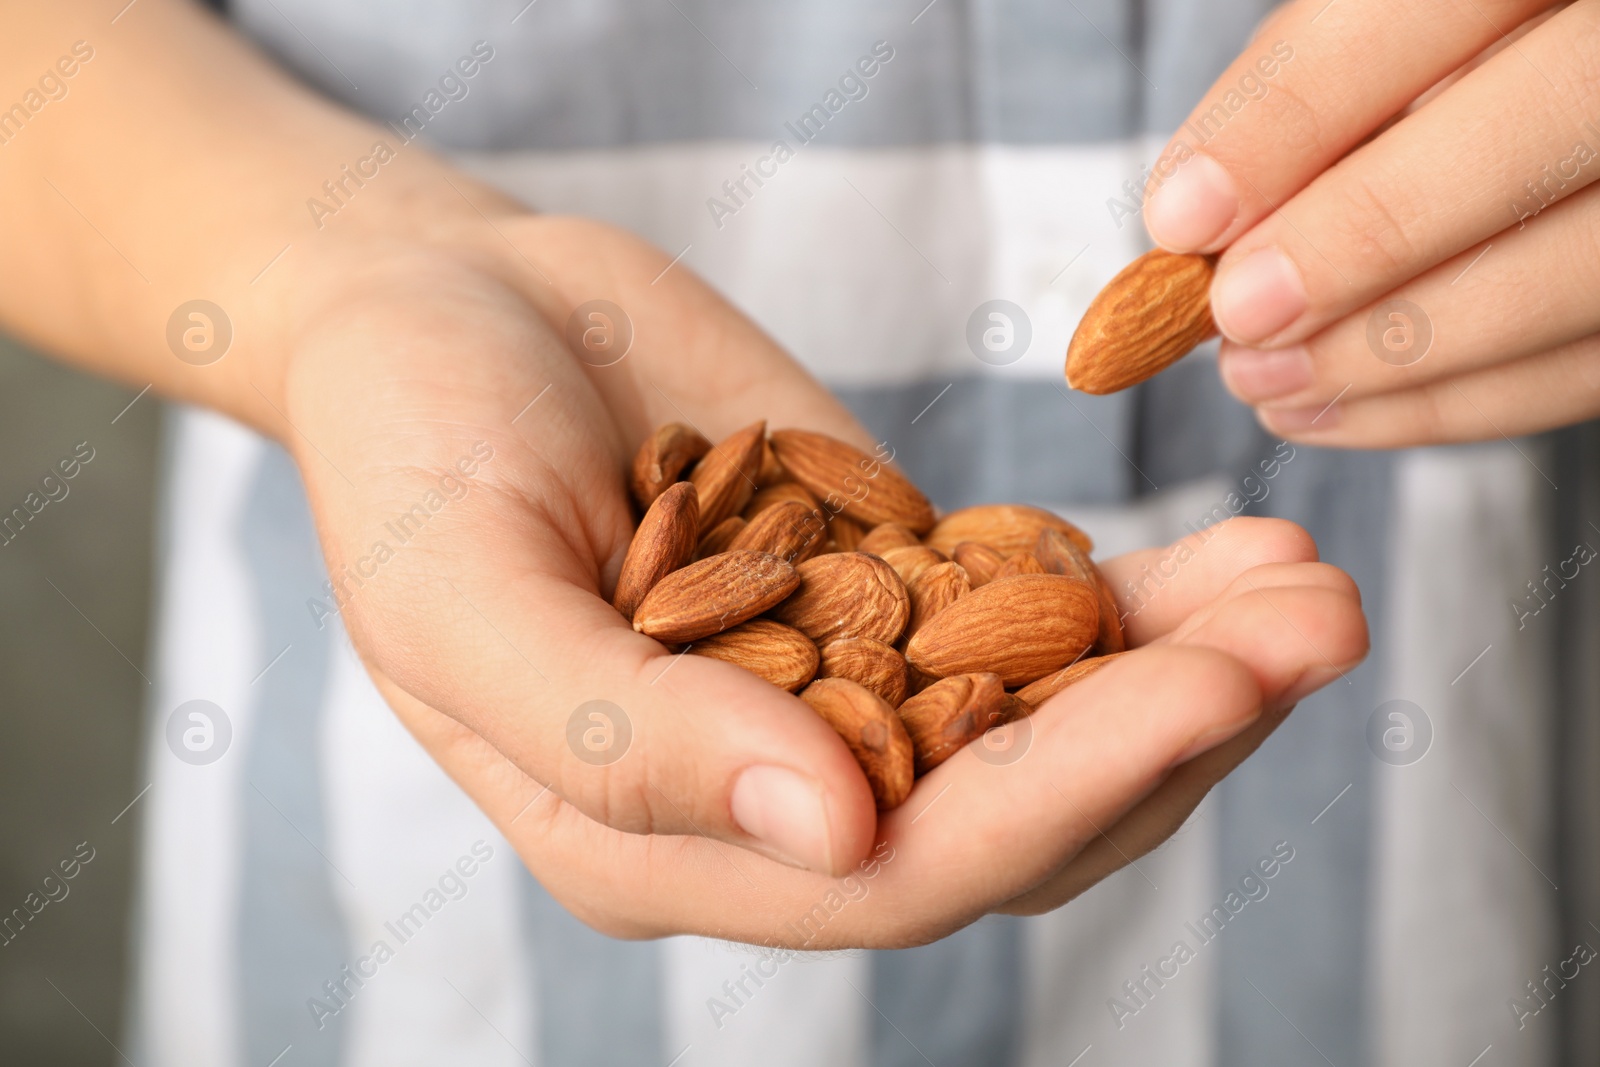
x: 1437, y: 182
x: 972, y: 834
x: 1296, y: 626
x: 1529, y: 395
x: 1315, y: 81
x: 1490, y: 304
x: 1158, y: 588
x: 1151, y: 822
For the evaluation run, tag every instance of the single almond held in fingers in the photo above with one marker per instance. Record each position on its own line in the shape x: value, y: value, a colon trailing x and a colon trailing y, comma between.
x: 1020, y: 628
x: 661, y: 460
x: 663, y: 542
x: 1061, y: 556
x: 720, y: 537
x: 842, y: 476
x: 1006, y: 528
x: 887, y: 535
x: 781, y: 654
x: 788, y: 530
x: 726, y: 475
x: 1148, y: 317
x: 980, y: 562
x: 933, y: 590
x: 1037, y: 692
x: 847, y: 594
x: 713, y: 595
x: 874, y: 733
x: 868, y: 661
x: 909, y: 561
x: 952, y: 713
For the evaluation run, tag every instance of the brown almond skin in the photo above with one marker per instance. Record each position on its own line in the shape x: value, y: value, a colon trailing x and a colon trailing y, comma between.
x: 662, y: 459
x: 789, y: 530
x: 771, y: 471
x: 1020, y: 563
x: 769, y: 495
x: 952, y: 713
x: 781, y: 654
x: 726, y: 475
x: 847, y: 594
x: 1061, y: 556
x: 887, y: 535
x: 720, y: 537
x: 844, y: 535
x: 664, y: 541
x: 980, y: 562
x: 1148, y: 317
x: 865, y: 487
x: 933, y: 590
x: 870, y: 662
x: 911, y: 560
x: 714, y: 594
x: 1037, y: 692
x: 876, y: 736
x: 1006, y: 528
x: 1020, y: 628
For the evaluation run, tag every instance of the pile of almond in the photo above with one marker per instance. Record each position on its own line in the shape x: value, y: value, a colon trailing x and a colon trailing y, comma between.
x: 822, y: 569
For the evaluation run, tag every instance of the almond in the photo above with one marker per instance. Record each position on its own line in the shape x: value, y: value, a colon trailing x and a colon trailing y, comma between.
x: 868, y: 661
x: 912, y: 560
x: 847, y: 594
x: 844, y: 535
x: 766, y: 497
x: 714, y: 594
x: 887, y: 535
x: 789, y: 530
x: 876, y: 736
x: 980, y: 562
x: 1035, y: 693
x: 842, y: 476
x: 1061, y: 556
x: 1023, y: 562
x: 663, y: 542
x: 1148, y: 317
x: 720, y: 538
x: 782, y: 655
x: 1020, y: 628
x: 726, y: 476
x: 661, y: 460
x: 952, y: 713
x: 933, y: 590
x: 1006, y: 528
x: 771, y: 471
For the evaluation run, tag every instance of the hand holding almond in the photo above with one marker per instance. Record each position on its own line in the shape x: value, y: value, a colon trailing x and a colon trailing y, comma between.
x: 1387, y: 281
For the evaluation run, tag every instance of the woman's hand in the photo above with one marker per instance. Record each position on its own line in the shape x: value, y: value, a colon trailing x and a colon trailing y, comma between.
x: 489, y: 629
x: 1388, y: 281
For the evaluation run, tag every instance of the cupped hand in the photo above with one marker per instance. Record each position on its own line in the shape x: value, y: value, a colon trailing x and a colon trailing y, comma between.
x: 1401, y: 196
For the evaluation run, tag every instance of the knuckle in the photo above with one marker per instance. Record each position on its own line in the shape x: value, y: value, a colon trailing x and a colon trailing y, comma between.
x: 1378, y: 222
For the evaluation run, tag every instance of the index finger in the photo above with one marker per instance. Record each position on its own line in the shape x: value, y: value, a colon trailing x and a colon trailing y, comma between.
x: 1318, y: 78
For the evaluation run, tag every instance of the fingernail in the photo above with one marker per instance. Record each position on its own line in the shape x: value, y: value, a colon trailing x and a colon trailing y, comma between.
x: 1210, y: 740
x: 1193, y: 207
x: 1256, y: 374
x: 1301, y: 420
x: 1257, y: 296
x: 786, y: 812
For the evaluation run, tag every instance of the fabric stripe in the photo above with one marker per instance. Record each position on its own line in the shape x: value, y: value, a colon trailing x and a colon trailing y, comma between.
x: 599, y: 999
x: 957, y: 1002
x: 291, y: 932
x: 610, y: 72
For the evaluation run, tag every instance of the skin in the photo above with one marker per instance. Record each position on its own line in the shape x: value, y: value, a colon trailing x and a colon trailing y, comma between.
x: 424, y: 318
x: 1389, y: 160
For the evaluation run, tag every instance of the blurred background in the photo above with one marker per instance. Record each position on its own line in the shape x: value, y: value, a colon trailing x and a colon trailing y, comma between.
x: 75, y: 590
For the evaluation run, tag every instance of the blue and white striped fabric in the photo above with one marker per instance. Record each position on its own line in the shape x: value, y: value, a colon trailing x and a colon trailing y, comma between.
x: 305, y: 899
